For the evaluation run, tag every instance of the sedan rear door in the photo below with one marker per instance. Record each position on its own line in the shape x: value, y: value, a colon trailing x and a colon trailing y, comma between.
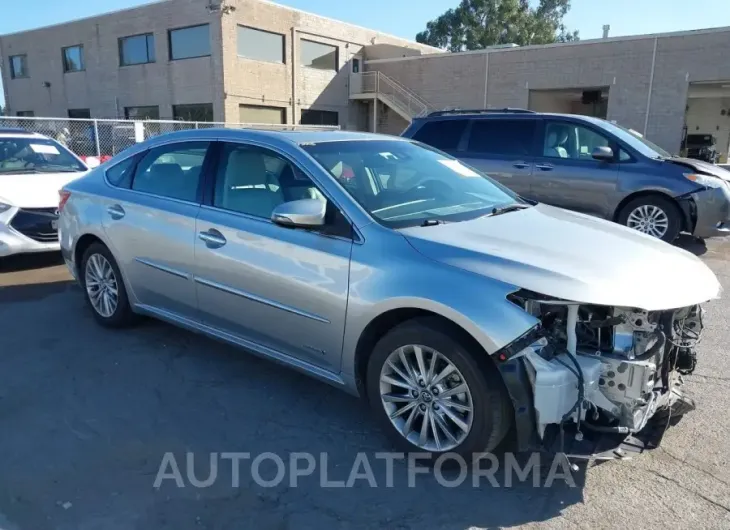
x: 150, y: 222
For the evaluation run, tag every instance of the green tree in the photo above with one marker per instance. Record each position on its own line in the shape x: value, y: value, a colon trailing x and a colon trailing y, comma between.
x: 476, y: 24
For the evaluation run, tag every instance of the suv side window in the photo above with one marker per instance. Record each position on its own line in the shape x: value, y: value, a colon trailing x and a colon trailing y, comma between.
x: 442, y: 134
x: 502, y: 137
x: 571, y: 141
x: 253, y: 180
x: 172, y: 170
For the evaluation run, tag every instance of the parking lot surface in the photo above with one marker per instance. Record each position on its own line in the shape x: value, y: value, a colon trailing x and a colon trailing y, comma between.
x: 87, y: 414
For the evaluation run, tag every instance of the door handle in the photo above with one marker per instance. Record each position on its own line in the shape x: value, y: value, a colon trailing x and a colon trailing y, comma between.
x: 115, y: 211
x: 544, y: 167
x: 520, y: 165
x: 212, y: 238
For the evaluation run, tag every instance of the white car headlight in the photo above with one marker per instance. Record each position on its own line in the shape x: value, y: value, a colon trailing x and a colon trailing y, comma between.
x: 707, y: 181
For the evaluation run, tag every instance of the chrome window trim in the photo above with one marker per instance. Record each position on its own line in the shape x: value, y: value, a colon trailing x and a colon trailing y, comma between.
x: 163, y: 268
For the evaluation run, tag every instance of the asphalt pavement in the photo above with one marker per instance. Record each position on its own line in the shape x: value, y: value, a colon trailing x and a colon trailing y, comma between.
x: 88, y: 414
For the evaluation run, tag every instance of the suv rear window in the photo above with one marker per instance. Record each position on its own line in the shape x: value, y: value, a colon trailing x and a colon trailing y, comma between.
x: 441, y: 134
x: 502, y: 137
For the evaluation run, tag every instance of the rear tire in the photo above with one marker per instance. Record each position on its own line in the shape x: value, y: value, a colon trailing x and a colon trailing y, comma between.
x: 653, y: 215
x: 470, y: 403
x: 104, y: 288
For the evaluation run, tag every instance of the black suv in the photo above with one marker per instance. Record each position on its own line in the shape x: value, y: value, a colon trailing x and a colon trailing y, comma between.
x: 586, y: 164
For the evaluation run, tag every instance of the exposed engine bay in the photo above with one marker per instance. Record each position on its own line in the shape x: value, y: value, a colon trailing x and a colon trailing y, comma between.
x: 607, y: 369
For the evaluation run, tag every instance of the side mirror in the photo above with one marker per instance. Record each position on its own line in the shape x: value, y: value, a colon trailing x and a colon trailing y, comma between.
x: 305, y: 213
x: 604, y: 154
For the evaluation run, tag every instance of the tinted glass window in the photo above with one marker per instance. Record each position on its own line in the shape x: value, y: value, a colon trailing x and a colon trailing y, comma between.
x: 193, y: 112
x: 18, y: 66
x: 79, y: 114
x: 567, y: 140
x: 171, y: 170
x: 28, y: 113
x: 73, y: 59
x: 443, y: 135
x: 260, y: 45
x: 254, y: 181
x: 142, y: 113
x: 502, y: 137
x: 318, y: 55
x: 139, y: 49
x: 319, y: 117
x: 186, y: 43
x: 120, y: 175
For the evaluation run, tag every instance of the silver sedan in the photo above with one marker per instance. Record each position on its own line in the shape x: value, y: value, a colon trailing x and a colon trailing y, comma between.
x: 397, y: 273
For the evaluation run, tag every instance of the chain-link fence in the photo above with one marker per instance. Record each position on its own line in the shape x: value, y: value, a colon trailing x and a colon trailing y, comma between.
x: 106, y: 138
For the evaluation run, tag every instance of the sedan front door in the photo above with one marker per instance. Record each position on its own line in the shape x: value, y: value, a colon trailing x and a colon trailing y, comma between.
x: 282, y: 290
x: 566, y: 174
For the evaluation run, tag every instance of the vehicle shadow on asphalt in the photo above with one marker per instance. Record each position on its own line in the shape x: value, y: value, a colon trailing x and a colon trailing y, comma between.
x: 27, y: 262
x: 698, y: 247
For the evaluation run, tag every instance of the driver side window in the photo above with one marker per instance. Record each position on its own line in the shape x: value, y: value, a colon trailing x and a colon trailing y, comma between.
x: 571, y: 141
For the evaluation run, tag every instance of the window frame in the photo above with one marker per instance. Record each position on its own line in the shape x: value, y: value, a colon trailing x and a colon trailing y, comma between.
x: 66, y: 69
x: 70, y: 111
x: 147, y: 46
x: 126, y: 112
x: 169, y: 42
x: 613, y: 143
x: 202, y: 177
x: 211, y: 180
x: 259, y: 30
x: 337, y: 56
x: 25, y: 114
x: 284, y: 113
x: 302, y: 111
x: 177, y: 106
x: 24, y: 60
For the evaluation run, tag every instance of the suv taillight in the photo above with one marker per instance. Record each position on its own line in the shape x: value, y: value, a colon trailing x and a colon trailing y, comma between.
x: 63, y: 197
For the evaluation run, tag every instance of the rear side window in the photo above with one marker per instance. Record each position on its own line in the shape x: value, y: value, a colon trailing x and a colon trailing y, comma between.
x: 172, y: 170
x: 443, y: 134
x: 120, y: 175
x: 502, y: 137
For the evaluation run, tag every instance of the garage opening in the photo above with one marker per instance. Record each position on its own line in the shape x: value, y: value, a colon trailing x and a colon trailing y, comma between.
x: 706, y: 133
x: 585, y: 101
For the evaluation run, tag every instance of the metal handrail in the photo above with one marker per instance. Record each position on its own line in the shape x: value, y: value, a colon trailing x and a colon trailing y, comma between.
x: 376, y: 82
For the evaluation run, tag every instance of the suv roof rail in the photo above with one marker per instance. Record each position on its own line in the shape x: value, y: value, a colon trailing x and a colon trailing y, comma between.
x: 505, y: 110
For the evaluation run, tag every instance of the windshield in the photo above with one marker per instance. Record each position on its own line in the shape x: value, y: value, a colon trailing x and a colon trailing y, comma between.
x: 641, y: 144
x: 403, y: 184
x: 36, y: 155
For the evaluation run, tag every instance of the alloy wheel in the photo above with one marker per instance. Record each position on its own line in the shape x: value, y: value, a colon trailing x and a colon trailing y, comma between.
x: 101, y: 285
x: 649, y: 219
x: 426, y: 398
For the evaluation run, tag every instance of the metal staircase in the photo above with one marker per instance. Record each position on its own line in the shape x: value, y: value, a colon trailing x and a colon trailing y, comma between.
x: 378, y: 86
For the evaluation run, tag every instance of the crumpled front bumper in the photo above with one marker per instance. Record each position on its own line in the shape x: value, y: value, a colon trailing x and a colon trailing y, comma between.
x: 711, y: 211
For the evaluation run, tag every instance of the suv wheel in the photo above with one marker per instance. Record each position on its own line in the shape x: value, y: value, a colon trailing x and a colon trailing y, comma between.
x: 432, y: 394
x: 104, y: 287
x: 652, y: 215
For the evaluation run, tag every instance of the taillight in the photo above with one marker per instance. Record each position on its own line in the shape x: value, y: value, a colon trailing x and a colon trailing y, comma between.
x: 63, y: 197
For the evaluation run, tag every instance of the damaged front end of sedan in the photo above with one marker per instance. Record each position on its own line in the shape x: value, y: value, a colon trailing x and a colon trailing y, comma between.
x: 603, y: 375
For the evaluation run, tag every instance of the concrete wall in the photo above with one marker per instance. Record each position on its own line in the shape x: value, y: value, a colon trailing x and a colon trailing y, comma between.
x: 504, y: 78
x: 104, y: 87
x: 291, y: 85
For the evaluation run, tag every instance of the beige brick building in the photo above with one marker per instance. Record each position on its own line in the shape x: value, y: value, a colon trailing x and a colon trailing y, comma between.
x: 222, y: 60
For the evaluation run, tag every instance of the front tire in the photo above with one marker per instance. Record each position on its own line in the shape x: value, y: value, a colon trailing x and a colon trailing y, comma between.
x: 104, y: 288
x: 433, y: 392
x: 653, y: 215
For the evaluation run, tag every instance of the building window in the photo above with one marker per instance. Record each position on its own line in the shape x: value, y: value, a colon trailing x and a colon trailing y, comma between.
x: 260, y: 114
x: 260, y: 45
x: 186, y: 43
x: 193, y: 112
x: 18, y: 66
x: 27, y: 113
x: 139, y: 49
x: 73, y: 58
x: 319, y: 55
x: 319, y: 117
x: 142, y: 113
x: 79, y: 114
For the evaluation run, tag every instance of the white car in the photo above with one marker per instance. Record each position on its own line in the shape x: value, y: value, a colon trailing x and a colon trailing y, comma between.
x: 33, y: 168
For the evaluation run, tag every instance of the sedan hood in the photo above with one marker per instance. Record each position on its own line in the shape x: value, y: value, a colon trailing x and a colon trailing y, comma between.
x: 34, y: 190
x: 571, y: 256
x: 702, y: 167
